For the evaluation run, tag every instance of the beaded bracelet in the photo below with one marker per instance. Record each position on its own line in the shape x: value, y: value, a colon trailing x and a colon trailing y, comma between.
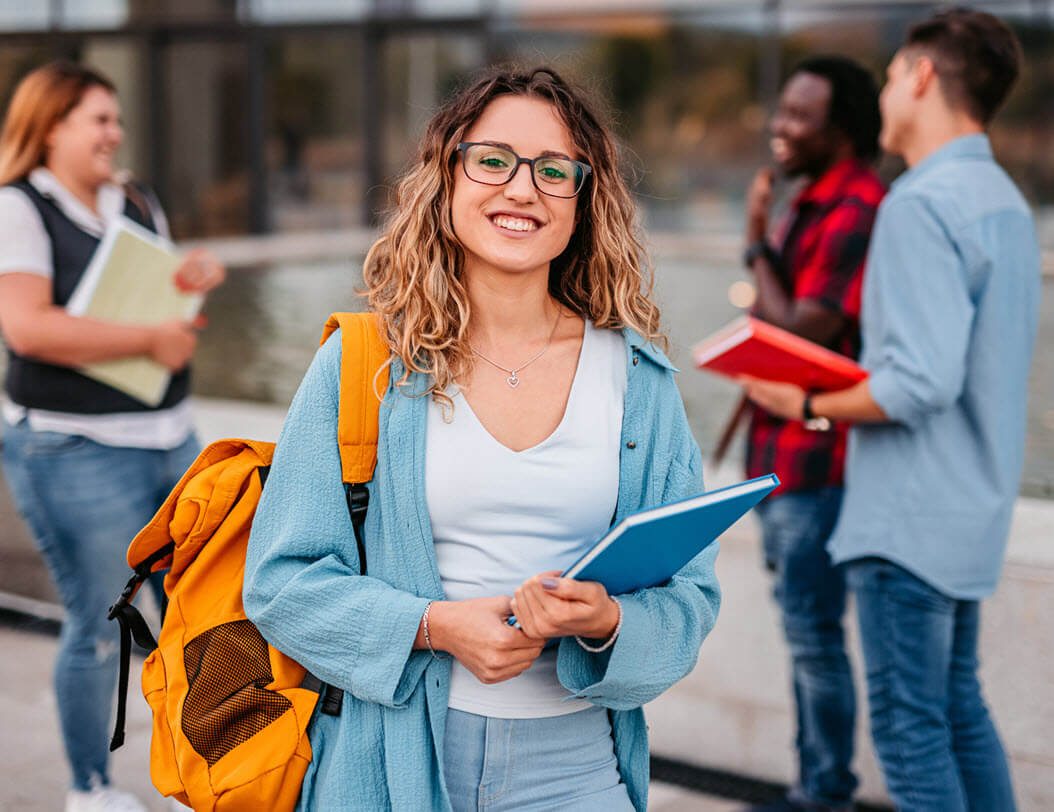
x: 428, y: 639
x: 594, y: 649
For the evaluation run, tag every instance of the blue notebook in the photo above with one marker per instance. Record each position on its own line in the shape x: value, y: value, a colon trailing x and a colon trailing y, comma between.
x: 649, y: 547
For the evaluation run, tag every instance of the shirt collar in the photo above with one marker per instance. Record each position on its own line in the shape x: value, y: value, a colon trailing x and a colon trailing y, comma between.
x: 109, y: 201
x: 827, y: 188
x: 637, y: 343
x: 974, y: 146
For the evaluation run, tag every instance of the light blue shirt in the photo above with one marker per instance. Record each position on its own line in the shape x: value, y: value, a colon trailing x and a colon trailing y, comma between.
x: 303, y: 590
x: 950, y: 309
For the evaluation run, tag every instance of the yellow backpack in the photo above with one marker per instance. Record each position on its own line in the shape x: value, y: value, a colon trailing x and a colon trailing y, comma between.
x: 230, y: 711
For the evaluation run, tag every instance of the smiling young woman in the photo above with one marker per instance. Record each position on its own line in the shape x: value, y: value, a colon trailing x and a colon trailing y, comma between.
x: 87, y: 465
x: 528, y: 409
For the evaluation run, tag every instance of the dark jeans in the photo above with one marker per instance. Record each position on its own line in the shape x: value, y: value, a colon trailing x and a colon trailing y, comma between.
x: 937, y: 744
x: 811, y: 596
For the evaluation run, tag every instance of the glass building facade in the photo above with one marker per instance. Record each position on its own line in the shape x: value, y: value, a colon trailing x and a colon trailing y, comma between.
x: 256, y: 116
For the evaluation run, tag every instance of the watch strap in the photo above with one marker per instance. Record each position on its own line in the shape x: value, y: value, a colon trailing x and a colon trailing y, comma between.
x: 806, y: 408
x: 757, y: 249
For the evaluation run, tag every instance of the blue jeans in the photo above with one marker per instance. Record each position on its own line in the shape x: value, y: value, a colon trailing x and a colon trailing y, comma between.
x: 811, y: 596
x: 554, y: 763
x: 937, y: 744
x: 84, y: 502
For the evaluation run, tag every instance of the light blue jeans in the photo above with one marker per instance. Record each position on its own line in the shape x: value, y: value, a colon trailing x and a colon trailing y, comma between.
x: 84, y: 502
x: 554, y: 763
x: 934, y: 736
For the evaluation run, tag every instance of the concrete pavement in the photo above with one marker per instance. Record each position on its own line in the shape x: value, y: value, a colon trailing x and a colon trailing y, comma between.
x: 33, y: 772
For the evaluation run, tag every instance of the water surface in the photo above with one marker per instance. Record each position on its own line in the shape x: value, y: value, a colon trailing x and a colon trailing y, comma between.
x: 264, y: 326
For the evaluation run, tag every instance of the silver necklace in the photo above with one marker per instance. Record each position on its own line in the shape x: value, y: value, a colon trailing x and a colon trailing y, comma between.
x: 513, y: 380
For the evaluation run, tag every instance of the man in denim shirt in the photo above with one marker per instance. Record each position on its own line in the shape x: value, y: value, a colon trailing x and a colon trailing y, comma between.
x: 948, y: 325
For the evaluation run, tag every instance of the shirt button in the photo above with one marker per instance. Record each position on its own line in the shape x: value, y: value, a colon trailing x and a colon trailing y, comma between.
x: 631, y: 444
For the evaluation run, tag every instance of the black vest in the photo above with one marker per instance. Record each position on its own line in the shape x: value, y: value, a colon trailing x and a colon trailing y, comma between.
x: 39, y: 385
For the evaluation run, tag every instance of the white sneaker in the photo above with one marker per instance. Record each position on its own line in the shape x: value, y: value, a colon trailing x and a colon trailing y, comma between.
x: 102, y: 799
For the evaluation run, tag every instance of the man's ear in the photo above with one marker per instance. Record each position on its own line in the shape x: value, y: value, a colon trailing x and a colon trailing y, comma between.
x: 923, y: 74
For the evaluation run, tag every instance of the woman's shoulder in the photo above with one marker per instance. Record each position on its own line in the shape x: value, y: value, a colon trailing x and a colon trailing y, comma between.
x: 326, y: 364
x: 125, y: 188
x: 27, y: 246
x: 17, y: 212
x: 626, y: 346
x: 605, y: 341
x: 15, y: 200
x: 322, y: 377
x: 324, y: 373
x: 647, y: 349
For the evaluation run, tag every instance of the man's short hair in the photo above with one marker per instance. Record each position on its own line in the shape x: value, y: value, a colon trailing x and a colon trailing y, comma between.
x: 853, y: 108
x: 976, y: 56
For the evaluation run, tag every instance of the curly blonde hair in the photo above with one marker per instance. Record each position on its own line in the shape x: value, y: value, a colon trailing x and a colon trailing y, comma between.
x: 414, y: 271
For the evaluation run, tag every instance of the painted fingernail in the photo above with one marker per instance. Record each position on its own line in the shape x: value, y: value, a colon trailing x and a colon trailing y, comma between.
x: 550, y: 583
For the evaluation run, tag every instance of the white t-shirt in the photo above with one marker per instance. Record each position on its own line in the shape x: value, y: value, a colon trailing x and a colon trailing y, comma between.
x: 27, y: 249
x: 500, y: 516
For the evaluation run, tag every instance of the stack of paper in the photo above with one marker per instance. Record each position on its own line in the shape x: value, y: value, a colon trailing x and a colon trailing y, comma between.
x: 129, y: 281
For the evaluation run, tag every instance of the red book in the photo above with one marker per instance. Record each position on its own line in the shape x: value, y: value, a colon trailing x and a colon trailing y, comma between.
x: 752, y: 347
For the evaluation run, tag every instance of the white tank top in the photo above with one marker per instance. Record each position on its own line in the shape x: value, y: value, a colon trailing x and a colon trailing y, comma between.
x: 500, y: 516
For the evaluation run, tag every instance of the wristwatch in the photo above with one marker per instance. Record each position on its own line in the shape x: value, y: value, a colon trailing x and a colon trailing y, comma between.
x: 758, y: 248
x: 812, y: 422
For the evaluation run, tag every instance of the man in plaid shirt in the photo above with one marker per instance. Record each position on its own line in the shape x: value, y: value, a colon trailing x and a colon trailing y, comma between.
x: 808, y: 274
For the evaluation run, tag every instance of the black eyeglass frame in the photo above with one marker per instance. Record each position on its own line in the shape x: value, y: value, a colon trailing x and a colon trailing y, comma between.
x: 584, y: 168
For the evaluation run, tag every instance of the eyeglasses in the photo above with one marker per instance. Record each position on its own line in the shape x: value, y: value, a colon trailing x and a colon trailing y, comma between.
x: 496, y: 166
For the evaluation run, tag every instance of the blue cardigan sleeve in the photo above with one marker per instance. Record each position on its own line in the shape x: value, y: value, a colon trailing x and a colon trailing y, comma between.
x: 662, y: 627
x: 302, y: 584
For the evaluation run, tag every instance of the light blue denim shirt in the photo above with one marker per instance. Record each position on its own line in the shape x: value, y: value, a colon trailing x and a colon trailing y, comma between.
x: 950, y: 308
x: 303, y: 591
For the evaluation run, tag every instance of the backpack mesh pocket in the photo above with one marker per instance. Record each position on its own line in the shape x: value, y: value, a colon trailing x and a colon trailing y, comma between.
x: 228, y: 703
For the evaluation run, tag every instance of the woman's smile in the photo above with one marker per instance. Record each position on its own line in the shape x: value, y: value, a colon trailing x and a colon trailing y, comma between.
x: 518, y: 224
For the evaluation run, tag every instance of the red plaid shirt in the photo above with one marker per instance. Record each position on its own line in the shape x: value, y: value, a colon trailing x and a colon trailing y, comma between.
x: 822, y: 248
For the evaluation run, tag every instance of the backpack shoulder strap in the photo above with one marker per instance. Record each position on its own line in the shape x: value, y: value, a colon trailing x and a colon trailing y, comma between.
x: 363, y: 382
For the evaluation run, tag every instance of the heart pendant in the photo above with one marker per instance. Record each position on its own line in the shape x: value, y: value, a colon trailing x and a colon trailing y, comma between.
x: 512, y: 380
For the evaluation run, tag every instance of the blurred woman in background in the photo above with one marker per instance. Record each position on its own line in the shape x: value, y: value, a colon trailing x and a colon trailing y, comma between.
x: 86, y: 464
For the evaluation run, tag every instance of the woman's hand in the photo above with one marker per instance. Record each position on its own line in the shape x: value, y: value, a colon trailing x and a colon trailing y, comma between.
x: 477, y: 633
x: 199, y: 272
x: 550, y: 606
x: 173, y: 342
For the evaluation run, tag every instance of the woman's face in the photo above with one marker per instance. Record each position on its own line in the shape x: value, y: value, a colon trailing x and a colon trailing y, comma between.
x: 82, y: 145
x: 514, y: 228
